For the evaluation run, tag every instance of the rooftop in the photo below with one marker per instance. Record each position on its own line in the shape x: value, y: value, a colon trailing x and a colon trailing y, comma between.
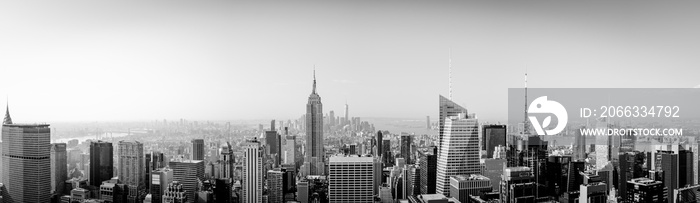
x: 470, y: 177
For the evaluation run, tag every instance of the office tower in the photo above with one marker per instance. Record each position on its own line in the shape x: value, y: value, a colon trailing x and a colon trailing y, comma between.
x: 645, y: 190
x: 685, y: 170
x: 223, y: 190
x: 227, y: 161
x: 579, y: 146
x: 59, y: 168
x: 176, y: 193
x: 252, y: 172
x: 331, y: 118
x: 493, y: 169
x: 346, y: 114
x: 378, y: 140
x: 630, y: 168
x: 275, y: 179
x: 517, y: 185
x: 188, y: 173
x: 557, y: 182
x: 101, y: 162
x: 460, y: 151
x: 447, y: 108
x: 131, y: 167
x: 428, y: 171
x: 289, y: 149
x: 157, y: 160
x: 314, y: 133
x: 387, y: 158
x: 668, y: 163
x: 272, y: 125
x: 303, y: 191
x: 535, y: 158
x: 461, y: 186
x: 198, y: 149
x: 272, y: 139
x: 405, y: 146
x: 377, y: 173
x: 26, y: 163
x: 427, y: 122
x: 352, y: 148
x: 492, y: 136
x: 350, y: 179
x: 160, y: 179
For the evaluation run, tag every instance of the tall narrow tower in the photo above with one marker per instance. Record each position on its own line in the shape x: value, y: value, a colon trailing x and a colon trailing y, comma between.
x: 314, y: 133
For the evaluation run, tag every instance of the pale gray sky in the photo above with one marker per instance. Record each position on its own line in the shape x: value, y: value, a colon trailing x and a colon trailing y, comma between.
x: 143, y: 60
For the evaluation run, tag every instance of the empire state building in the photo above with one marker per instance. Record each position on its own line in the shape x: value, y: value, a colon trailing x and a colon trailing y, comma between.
x: 314, y: 155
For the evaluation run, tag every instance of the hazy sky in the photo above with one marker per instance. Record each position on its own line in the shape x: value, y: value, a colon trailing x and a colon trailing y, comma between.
x: 215, y: 60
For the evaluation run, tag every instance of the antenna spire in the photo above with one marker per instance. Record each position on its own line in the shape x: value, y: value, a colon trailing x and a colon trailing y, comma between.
x: 8, y: 119
x: 313, y: 91
x: 525, y: 127
x: 449, y: 65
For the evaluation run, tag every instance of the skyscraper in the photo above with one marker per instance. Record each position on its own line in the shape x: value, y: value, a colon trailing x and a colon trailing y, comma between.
x: 645, y: 190
x: 227, y: 161
x: 378, y: 141
x: 101, y: 162
x: 252, y: 172
x: 197, y: 149
x: 579, y: 147
x: 387, y: 158
x: 406, y: 142
x: 314, y: 133
x: 288, y: 149
x: 350, y: 179
x: 460, y: 151
x: 447, y: 108
x: 275, y: 183
x: 26, y: 163
x: 492, y: 136
x: 160, y: 179
x: 131, y: 167
x: 272, y: 140
x: 188, y: 173
x: 59, y: 169
x: 347, y: 118
x: 428, y: 167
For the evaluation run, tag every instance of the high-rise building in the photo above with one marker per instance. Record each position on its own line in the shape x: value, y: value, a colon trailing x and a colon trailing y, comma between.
x: 387, y: 158
x: 160, y: 179
x: 131, y: 167
x: 227, y: 161
x: 272, y: 140
x: 518, y: 185
x: 303, y: 191
x: 462, y: 186
x: 579, y: 147
x: 460, y: 151
x: 314, y: 134
x: 289, y: 149
x: 630, y: 168
x: 492, y: 136
x: 668, y: 162
x: 198, y: 149
x: 26, y: 163
x: 447, y: 108
x: 346, y: 113
x: 252, y: 172
x: 350, y: 179
x: 378, y: 140
x: 493, y: 169
x: 405, y: 146
x: 59, y: 170
x: 275, y: 180
x: 188, y: 173
x: 428, y: 170
x: 101, y: 162
x: 645, y: 190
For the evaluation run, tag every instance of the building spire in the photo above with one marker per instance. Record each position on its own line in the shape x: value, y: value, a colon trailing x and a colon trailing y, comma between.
x: 525, y: 127
x: 7, y: 119
x: 313, y: 91
x: 449, y: 66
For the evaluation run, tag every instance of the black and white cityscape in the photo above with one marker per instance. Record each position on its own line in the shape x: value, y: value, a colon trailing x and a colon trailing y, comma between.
x: 350, y: 101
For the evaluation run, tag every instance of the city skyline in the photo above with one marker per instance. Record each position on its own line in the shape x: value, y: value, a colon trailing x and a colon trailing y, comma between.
x: 83, y: 57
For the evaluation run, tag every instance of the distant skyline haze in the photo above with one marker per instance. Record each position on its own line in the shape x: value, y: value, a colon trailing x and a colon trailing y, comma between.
x: 227, y: 60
